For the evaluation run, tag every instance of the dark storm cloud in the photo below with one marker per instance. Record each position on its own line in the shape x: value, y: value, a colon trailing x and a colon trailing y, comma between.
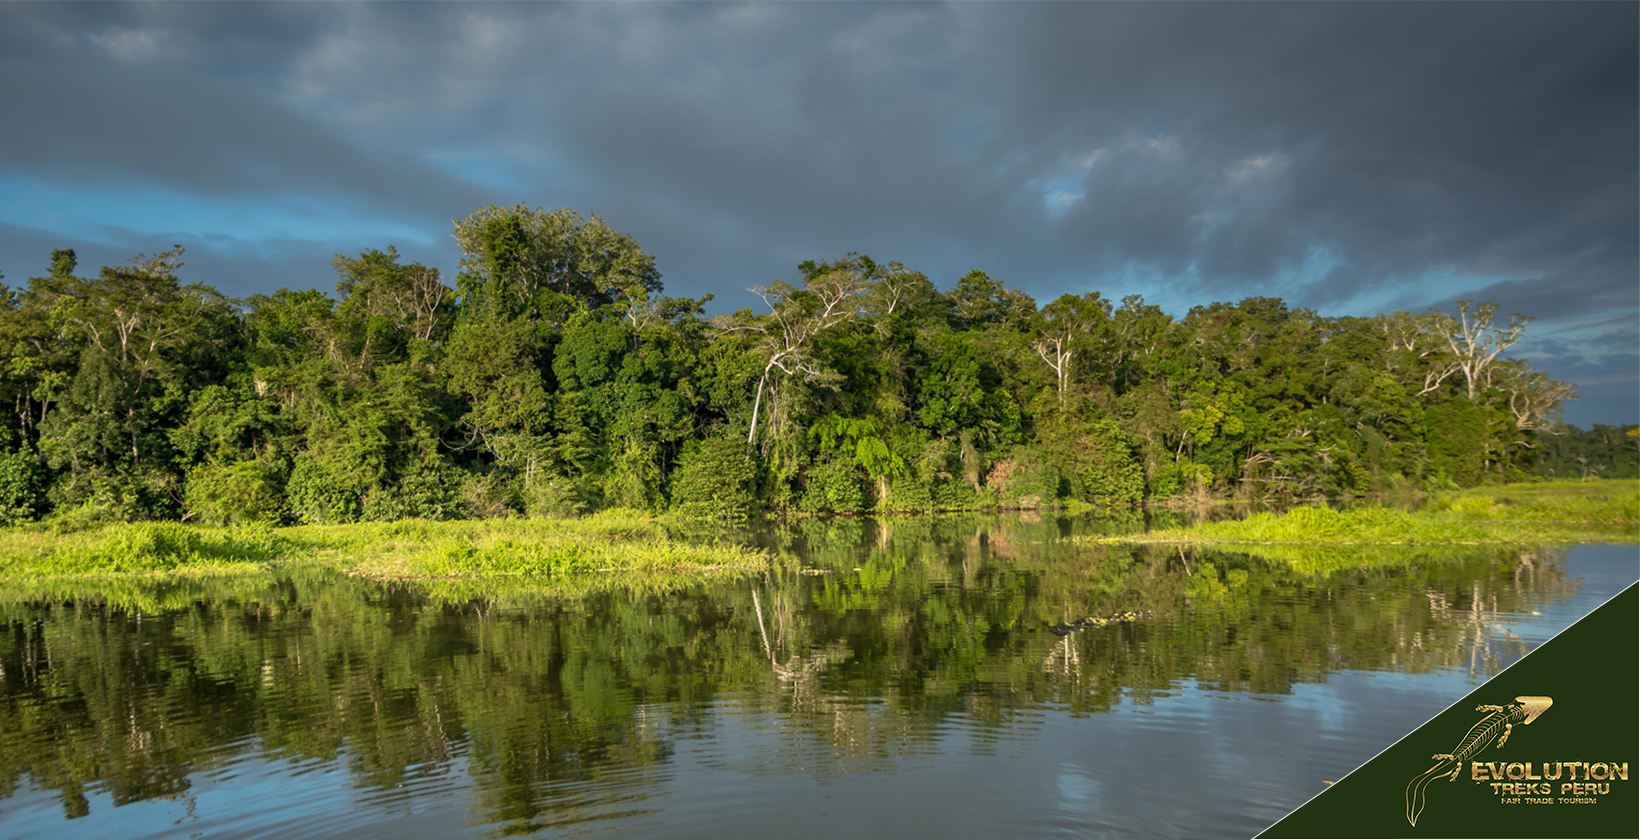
x: 118, y: 107
x: 1341, y: 155
x: 1498, y: 138
x: 234, y: 267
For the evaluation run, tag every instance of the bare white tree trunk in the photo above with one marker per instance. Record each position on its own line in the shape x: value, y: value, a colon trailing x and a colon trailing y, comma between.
x: 1476, y: 344
x: 1059, y: 363
x: 757, y: 405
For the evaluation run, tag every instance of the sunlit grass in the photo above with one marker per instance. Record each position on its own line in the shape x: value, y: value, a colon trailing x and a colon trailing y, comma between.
x: 1528, y: 514
x: 140, y: 548
x: 605, y: 543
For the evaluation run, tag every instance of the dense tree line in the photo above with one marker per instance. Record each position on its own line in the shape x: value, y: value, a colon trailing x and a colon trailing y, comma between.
x: 1601, y: 452
x: 556, y: 377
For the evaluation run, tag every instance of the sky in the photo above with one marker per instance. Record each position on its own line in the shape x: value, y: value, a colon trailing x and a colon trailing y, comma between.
x: 1349, y: 158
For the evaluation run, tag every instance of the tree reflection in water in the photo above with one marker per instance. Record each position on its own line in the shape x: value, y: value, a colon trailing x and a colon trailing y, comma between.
x: 560, y: 708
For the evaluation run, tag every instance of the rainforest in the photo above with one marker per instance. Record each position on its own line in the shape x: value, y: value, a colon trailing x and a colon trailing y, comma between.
x: 554, y: 378
x: 545, y: 550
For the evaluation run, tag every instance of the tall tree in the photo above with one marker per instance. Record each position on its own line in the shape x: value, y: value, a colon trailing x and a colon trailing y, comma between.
x: 830, y: 296
x: 1061, y: 323
x: 147, y: 341
x: 1534, y: 398
x: 517, y: 261
x: 1475, y: 341
x: 981, y: 301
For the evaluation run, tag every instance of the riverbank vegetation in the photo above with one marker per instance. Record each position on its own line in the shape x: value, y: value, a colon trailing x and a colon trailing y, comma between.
x: 554, y: 378
x: 1528, y: 514
x: 607, y: 543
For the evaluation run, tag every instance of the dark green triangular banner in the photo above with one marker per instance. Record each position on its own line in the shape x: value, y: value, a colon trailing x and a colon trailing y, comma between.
x: 1571, y: 772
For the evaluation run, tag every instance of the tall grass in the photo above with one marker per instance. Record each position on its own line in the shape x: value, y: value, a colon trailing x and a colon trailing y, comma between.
x: 613, y: 541
x: 1532, y: 514
x: 136, y: 549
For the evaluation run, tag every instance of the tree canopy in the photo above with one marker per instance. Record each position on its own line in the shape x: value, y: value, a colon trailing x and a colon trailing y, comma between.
x: 555, y: 377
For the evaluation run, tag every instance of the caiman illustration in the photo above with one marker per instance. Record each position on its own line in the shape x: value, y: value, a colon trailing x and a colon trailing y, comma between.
x: 1498, y: 723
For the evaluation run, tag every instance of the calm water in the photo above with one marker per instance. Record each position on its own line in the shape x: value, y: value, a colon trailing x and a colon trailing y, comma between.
x: 912, y: 688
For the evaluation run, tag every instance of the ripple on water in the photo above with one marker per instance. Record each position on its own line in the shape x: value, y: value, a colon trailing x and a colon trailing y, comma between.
x: 663, y: 717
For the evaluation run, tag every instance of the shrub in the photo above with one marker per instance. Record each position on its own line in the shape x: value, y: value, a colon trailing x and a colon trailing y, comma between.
x: 908, y: 494
x: 20, y: 496
x: 246, y: 491
x: 833, y: 484
x: 1025, y: 479
x: 320, y: 494
x: 485, y: 495
x: 952, y: 494
x: 429, y: 490
x: 1181, y: 478
x: 635, y: 479
x: 554, y: 494
x: 1099, y: 464
x: 715, y: 479
x: 1456, y: 441
x: 83, y: 500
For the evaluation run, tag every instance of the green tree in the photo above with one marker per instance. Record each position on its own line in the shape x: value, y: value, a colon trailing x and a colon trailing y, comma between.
x: 784, y: 338
x: 1060, y: 326
x: 523, y: 262
x: 147, y: 340
x: 982, y: 302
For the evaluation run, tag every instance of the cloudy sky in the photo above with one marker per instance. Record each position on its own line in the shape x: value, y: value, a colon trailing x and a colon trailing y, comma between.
x: 1350, y: 158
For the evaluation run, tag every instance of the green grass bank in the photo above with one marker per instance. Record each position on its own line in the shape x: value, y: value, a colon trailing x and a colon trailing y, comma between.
x: 610, y: 543
x: 1543, y: 513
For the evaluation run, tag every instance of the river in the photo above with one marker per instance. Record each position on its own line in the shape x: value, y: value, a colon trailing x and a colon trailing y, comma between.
x: 882, y: 680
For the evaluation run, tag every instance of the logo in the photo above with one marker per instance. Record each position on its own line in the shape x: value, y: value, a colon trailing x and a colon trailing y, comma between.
x: 1496, y: 726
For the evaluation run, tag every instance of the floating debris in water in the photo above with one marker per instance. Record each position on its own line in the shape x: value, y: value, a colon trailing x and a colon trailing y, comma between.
x: 1097, y: 621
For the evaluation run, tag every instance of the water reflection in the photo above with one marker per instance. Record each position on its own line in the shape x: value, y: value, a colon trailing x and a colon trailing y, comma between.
x: 914, y: 650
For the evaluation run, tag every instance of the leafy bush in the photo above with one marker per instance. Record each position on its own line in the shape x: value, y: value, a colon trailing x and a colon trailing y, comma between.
x: 635, y: 480
x: 89, y: 514
x: 1027, y: 478
x: 909, y: 494
x: 429, y: 490
x: 20, y: 496
x: 484, y: 495
x: 554, y: 494
x: 716, y: 479
x: 1456, y: 439
x: 320, y: 494
x: 952, y: 494
x: 833, y: 484
x: 1182, y: 478
x: 1099, y: 464
x: 246, y: 491
x: 91, y: 498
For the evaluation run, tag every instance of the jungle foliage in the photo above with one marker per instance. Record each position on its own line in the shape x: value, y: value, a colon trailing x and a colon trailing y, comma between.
x: 555, y: 378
